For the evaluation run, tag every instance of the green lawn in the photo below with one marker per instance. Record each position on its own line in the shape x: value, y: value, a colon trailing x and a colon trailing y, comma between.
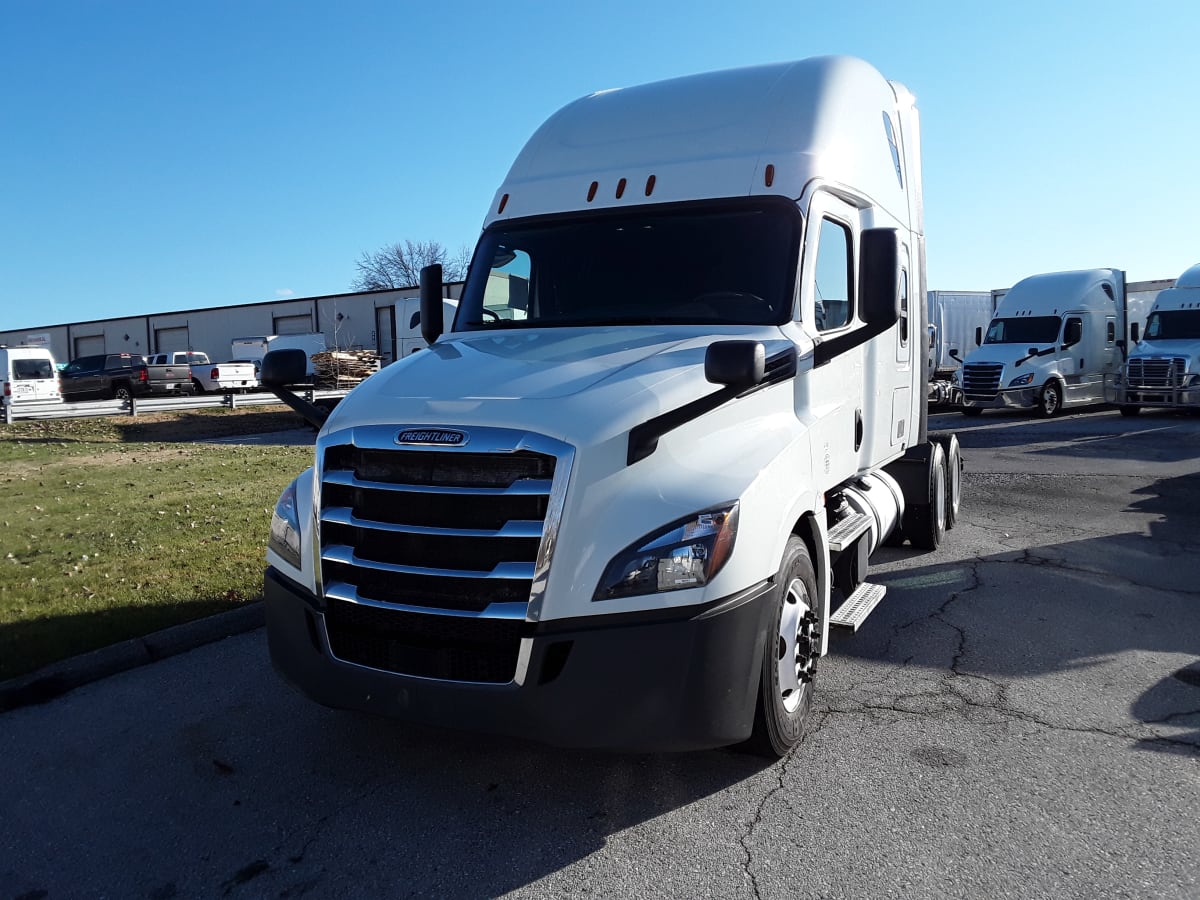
x: 116, y: 527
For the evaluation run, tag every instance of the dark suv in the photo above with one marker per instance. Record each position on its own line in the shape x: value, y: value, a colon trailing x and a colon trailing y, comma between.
x: 110, y: 375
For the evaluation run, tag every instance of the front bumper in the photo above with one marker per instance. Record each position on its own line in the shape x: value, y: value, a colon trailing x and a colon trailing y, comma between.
x: 665, y: 681
x: 1134, y: 395
x: 1011, y: 398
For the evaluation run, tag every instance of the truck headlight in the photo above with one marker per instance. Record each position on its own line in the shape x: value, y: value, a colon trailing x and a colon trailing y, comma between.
x: 285, y: 527
x: 685, y: 554
x: 1022, y: 380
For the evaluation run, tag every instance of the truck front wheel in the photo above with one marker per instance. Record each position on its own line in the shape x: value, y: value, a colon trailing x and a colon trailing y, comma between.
x: 1050, y: 401
x: 1130, y: 410
x: 793, y: 645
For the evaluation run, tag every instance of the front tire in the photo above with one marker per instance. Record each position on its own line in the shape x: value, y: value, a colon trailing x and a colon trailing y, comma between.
x: 1050, y: 400
x: 971, y: 411
x: 1130, y: 411
x: 790, y: 653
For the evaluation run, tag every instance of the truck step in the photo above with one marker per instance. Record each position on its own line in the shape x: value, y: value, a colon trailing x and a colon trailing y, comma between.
x: 854, y: 611
x: 845, y: 532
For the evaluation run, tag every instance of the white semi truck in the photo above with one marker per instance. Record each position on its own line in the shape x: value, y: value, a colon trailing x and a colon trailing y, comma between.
x: 1163, y: 370
x: 1055, y: 341
x: 621, y: 502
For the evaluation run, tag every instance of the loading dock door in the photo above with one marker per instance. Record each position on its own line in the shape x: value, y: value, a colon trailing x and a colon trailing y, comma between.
x: 89, y: 345
x: 293, y: 324
x: 168, y: 340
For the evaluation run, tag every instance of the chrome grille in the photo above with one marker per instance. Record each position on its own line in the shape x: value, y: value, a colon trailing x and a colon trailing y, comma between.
x: 1157, y: 372
x: 430, y: 555
x: 981, y: 381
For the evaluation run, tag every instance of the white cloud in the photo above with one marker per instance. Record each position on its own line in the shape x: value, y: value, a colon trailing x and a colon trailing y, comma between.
x: 284, y: 292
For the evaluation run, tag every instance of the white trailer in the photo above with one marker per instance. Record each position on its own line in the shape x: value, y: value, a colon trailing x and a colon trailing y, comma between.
x: 253, y: 349
x: 1163, y: 369
x: 955, y: 318
x: 1055, y: 342
x: 623, y: 499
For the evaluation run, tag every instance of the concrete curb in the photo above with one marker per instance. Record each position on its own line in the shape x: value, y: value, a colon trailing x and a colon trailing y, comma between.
x: 64, y: 676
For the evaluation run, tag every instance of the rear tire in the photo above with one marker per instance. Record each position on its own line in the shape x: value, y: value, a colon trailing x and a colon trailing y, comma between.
x: 122, y: 392
x: 925, y: 521
x: 790, y: 653
x: 197, y: 387
x: 971, y: 411
x: 1130, y: 411
x: 1050, y: 400
x: 953, y: 453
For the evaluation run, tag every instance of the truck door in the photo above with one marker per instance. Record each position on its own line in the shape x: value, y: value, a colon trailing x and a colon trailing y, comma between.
x: 832, y: 398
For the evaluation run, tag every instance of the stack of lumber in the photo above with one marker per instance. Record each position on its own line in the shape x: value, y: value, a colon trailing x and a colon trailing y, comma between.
x: 343, y: 368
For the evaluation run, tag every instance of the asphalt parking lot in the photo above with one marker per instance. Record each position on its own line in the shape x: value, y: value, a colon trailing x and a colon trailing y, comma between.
x: 1020, y: 717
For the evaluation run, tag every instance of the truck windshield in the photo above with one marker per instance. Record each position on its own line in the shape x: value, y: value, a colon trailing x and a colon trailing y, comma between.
x: 1025, y: 330
x: 721, y: 263
x: 1173, y: 325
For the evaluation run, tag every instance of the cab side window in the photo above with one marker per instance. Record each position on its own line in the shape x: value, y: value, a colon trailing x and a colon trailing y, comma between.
x: 831, y: 300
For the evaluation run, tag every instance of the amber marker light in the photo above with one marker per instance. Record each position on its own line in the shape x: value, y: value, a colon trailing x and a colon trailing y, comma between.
x: 650, y: 185
x: 620, y: 188
x: 769, y: 175
x: 592, y: 191
x: 503, y: 203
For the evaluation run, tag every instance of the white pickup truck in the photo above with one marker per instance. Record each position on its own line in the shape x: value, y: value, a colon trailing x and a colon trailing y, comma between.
x: 223, y: 378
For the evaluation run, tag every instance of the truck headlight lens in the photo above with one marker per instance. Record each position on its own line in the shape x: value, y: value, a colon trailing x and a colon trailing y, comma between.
x: 685, y: 554
x: 285, y: 527
x: 1022, y: 380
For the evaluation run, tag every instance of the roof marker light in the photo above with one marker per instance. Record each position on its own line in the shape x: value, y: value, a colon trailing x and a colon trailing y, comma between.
x: 503, y: 203
x: 650, y: 185
x: 769, y: 175
x: 620, y: 188
x: 592, y: 191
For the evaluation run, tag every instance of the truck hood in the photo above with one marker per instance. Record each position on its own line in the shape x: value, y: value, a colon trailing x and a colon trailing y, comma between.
x: 575, y: 384
x: 1148, y: 349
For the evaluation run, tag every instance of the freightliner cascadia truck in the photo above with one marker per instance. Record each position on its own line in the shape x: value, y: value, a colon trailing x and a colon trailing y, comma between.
x: 623, y: 499
x: 1163, y: 369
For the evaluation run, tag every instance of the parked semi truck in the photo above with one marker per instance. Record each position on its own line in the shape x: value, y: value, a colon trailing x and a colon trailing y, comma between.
x: 1163, y: 368
x: 1054, y: 342
x: 621, y: 502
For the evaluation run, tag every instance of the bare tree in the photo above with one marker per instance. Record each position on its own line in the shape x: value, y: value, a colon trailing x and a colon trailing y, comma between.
x: 399, y: 265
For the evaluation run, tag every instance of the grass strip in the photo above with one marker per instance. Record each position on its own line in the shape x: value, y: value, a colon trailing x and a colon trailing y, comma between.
x: 114, y: 528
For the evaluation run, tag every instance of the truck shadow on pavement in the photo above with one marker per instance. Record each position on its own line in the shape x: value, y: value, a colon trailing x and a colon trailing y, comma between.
x: 1099, y: 634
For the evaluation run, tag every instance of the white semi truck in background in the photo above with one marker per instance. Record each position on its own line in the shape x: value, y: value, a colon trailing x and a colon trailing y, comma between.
x: 1163, y: 368
x: 621, y: 502
x: 1055, y: 342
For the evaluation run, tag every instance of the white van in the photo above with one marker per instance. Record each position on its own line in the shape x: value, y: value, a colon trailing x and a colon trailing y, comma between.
x: 29, y: 375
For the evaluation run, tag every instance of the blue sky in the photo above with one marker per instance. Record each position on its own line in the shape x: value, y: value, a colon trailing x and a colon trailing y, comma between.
x: 171, y: 155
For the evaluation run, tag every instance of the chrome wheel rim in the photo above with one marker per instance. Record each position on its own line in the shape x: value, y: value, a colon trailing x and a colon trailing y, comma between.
x: 798, y: 645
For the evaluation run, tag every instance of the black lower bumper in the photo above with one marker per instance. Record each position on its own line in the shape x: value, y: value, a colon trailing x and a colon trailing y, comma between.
x: 679, y: 680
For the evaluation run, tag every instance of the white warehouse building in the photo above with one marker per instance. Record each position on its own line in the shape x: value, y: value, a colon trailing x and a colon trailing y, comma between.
x: 366, y: 320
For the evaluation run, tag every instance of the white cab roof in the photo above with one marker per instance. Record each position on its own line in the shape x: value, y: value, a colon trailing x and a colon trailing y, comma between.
x: 713, y: 135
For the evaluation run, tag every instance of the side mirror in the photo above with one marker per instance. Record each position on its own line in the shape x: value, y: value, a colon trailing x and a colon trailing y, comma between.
x: 1133, y: 332
x: 431, y: 303
x: 1032, y: 351
x: 978, y: 336
x: 735, y: 363
x: 283, y: 367
x: 879, y: 272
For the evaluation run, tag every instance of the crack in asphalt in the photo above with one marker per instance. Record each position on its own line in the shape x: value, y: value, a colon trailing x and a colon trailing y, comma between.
x: 918, y: 703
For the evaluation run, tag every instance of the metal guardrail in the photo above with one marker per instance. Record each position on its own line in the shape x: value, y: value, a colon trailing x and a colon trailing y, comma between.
x: 87, y: 408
